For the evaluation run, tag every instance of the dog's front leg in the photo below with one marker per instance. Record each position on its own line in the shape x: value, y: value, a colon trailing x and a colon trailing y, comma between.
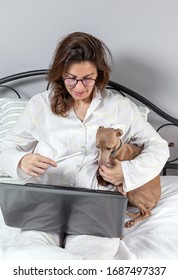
x: 120, y: 189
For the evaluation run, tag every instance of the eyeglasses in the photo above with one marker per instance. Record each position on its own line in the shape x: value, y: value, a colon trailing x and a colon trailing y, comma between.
x: 71, y: 82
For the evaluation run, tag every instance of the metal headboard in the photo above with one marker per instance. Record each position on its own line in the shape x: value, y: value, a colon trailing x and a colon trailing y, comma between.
x: 171, y: 164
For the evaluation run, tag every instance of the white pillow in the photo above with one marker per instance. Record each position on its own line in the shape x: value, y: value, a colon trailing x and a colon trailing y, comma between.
x: 10, y: 111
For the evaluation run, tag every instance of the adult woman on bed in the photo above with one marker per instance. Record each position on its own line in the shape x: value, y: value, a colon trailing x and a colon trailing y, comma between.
x: 63, y: 121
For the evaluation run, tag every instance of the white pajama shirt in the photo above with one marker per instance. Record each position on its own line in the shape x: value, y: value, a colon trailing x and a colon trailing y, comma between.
x: 40, y: 131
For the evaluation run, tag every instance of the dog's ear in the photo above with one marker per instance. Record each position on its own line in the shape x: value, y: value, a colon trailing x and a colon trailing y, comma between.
x: 119, y: 132
x: 101, y: 127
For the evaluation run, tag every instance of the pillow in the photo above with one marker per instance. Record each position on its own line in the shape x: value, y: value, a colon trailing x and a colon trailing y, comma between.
x: 10, y: 111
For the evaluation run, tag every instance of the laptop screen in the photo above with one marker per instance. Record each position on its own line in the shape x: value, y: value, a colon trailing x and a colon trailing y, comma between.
x: 63, y: 209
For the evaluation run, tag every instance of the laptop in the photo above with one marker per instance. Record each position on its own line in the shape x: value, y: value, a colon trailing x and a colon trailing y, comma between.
x: 67, y: 210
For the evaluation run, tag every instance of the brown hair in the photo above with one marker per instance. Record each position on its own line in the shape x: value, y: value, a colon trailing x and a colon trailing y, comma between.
x: 75, y: 48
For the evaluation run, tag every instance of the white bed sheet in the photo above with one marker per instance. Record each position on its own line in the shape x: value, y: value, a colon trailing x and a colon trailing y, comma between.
x: 153, y: 238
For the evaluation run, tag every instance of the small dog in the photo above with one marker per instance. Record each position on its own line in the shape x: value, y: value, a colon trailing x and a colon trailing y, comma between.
x: 110, y: 146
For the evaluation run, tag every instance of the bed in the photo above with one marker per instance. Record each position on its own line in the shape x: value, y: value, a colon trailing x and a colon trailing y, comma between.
x: 153, y: 238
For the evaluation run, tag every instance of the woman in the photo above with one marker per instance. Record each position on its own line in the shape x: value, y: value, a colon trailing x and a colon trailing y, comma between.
x: 63, y: 122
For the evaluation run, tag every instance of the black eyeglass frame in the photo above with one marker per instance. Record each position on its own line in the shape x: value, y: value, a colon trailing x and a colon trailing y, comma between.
x: 79, y: 80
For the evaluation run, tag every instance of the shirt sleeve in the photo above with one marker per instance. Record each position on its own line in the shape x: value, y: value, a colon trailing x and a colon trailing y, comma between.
x: 17, y: 143
x: 155, y: 153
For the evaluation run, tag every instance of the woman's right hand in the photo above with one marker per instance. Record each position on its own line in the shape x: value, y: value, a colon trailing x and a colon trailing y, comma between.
x: 35, y: 165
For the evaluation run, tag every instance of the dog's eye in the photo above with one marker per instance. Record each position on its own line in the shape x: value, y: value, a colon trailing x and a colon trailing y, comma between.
x: 108, y: 148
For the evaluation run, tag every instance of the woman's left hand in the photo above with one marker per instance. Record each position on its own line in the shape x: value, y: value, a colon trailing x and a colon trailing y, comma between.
x: 112, y: 174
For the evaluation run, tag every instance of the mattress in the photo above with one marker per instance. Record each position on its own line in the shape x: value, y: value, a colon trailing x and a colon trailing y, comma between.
x: 155, y: 238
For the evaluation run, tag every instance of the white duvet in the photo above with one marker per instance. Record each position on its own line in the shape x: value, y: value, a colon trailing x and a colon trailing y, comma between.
x: 153, y: 238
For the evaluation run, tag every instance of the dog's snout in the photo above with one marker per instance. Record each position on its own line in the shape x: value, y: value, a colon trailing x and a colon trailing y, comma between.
x: 102, y: 162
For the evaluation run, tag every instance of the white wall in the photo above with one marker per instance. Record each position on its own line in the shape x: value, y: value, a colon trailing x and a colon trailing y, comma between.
x: 141, y: 34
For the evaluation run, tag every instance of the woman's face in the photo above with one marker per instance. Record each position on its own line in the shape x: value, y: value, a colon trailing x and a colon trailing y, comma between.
x: 86, y: 73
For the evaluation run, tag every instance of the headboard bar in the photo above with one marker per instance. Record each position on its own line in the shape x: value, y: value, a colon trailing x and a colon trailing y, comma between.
x: 22, y: 75
x: 143, y: 100
x: 11, y: 88
x: 114, y: 85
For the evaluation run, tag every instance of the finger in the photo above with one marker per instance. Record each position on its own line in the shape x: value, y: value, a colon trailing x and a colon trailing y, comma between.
x: 104, y: 168
x: 47, y: 160
x: 106, y: 171
x: 34, y: 171
x: 101, y: 172
x: 105, y: 174
x: 33, y: 174
x: 38, y: 171
x: 41, y: 165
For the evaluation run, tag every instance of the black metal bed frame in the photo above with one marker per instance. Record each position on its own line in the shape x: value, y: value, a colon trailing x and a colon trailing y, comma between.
x: 171, y: 164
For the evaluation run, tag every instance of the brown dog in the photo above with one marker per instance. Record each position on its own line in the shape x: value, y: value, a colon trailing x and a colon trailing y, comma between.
x: 110, y: 146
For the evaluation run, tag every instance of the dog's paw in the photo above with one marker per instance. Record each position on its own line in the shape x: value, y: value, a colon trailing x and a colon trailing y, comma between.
x: 129, y: 224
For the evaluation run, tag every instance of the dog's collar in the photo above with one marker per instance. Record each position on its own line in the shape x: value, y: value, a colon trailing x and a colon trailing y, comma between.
x: 115, y: 152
